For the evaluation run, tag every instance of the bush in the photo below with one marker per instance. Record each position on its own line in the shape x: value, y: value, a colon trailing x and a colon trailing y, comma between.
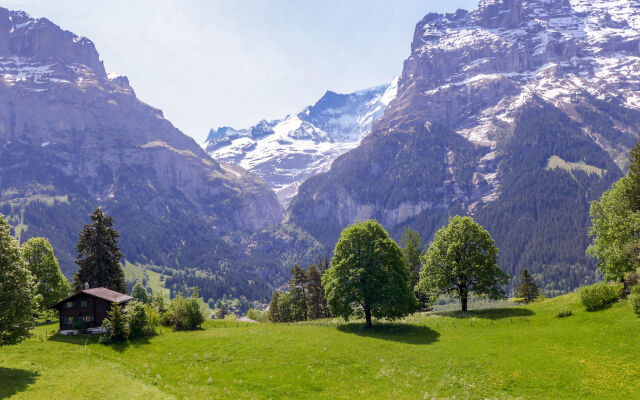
x: 257, y: 315
x: 185, y: 314
x: 140, y: 323
x: 562, y: 313
x: 631, y: 280
x: 634, y: 299
x: 598, y: 296
x: 116, y: 325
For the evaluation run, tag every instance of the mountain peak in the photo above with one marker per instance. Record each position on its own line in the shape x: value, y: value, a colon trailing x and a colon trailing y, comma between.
x: 37, y: 49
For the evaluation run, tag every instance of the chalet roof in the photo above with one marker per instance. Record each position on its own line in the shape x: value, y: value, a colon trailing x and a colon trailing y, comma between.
x: 102, y: 293
x: 107, y: 294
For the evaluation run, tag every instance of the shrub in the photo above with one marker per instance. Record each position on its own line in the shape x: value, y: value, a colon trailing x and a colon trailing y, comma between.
x: 185, y: 314
x: 257, y: 315
x: 140, y: 323
x: 116, y: 325
x: 565, y: 312
x: 599, y: 296
x: 634, y: 299
x: 631, y: 280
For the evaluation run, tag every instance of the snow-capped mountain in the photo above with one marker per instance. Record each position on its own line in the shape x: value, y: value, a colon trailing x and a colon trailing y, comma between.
x: 286, y: 152
x: 518, y: 113
x: 73, y: 138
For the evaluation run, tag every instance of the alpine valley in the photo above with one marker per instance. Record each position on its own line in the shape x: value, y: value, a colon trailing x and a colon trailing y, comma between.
x: 519, y: 113
x: 73, y: 137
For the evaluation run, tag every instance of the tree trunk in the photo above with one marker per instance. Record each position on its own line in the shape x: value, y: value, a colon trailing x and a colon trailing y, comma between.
x: 367, y: 315
x: 463, y: 302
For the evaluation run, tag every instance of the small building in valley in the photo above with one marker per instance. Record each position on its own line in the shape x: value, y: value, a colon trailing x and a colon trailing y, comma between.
x: 88, y: 308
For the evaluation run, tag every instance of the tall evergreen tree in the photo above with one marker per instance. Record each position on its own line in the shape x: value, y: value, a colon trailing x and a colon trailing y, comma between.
x: 298, y: 284
x: 99, y: 256
x: 116, y: 324
x: 16, y: 297
x: 223, y: 311
x: 139, y: 293
x: 412, y: 251
x: 528, y: 290
x: 634, y: 177
x: 50, y: 286
x: 274, y: 307
x: 316, y: 292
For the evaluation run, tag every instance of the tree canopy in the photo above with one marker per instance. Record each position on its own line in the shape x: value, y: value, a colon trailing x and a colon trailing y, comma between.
x: 368, y: 273
x: 50, y: 286
x: 99, y: 255
x: 461, y: 260
x: 16, y: 297
x: 615, y: 229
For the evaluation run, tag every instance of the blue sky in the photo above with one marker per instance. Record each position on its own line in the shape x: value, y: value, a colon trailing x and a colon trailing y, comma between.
x: 215, y: 63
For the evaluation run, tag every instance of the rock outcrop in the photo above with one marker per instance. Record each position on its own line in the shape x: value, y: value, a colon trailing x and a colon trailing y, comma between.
x: 73, y: 137
x: 485, y: 101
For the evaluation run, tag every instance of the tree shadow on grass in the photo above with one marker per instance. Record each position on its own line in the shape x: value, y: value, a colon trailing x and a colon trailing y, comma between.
x: 396, y: 332
x: 15, y: 380
x: 489, y: 313
x: 89, y: 339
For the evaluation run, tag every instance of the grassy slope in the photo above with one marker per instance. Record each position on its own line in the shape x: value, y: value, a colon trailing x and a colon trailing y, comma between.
x: 557, y: 162
x: 519, y: 353
x: 135, y: 272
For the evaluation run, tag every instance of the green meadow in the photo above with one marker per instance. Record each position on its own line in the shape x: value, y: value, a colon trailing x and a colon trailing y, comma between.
x: 521, y: 352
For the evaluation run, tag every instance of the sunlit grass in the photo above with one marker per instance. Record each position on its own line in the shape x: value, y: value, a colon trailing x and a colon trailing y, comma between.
x: 522, y: 352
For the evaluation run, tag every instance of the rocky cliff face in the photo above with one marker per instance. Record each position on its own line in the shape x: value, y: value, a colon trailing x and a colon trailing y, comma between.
x: 288, y: 151
x: 73, y: 138
x: 495, y: 108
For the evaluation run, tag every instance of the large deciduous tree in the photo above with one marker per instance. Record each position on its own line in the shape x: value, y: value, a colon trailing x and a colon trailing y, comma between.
x: 368, y: 272
x: 462, y: 260
x: 99, y: 255
x: 615, y: 230
x: 16, y: 296
x: 50, y: 285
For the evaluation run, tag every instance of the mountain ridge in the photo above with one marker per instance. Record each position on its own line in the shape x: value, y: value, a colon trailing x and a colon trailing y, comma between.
x: 482, y: 76
x: 74, y: 138
x: 287, y: 151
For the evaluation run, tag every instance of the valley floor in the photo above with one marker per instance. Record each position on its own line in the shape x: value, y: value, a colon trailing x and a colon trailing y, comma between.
x: 511, y: 353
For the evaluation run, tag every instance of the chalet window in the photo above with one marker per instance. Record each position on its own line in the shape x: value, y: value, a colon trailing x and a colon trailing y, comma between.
x: 68, y: 304
x: 87, y: 318
x: 69, y: 320
x: 83, y: 303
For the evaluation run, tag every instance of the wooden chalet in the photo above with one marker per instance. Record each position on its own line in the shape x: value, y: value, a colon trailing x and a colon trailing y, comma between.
x: 88, y: 307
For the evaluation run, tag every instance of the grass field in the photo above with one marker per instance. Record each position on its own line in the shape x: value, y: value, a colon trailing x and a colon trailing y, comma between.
x: 557, y: 162
x: 508, y: 353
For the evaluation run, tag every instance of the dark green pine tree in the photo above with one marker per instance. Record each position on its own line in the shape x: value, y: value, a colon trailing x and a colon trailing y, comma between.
x: 99, y: 256
x: 528, y: 290
x: 117, y: 327
x: 139, y: 293
x: 298, y: 283
x: 274, y: 308
x: 411, y: 252
x: 316, y: 292
x: 634, y: 175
